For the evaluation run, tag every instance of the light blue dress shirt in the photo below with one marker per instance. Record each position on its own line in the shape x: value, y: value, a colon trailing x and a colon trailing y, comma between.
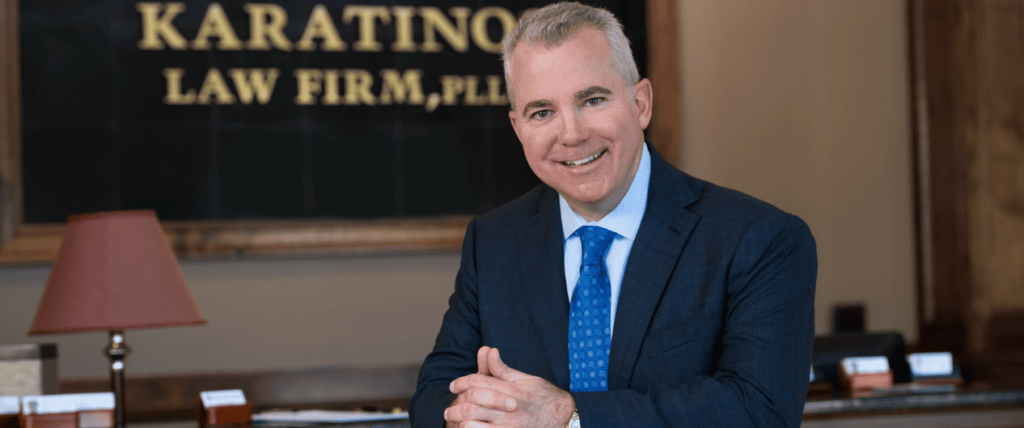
x: 624, y: 220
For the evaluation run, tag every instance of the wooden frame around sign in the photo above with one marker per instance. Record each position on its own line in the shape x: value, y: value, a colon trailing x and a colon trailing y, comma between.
x: 22, y: 243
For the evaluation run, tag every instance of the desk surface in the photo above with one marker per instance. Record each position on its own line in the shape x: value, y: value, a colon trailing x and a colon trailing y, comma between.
x: 905, y: 402
x: 975, y: 407
x: 970, y: 408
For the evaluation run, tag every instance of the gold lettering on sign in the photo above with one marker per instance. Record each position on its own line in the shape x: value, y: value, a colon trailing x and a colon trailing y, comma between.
x: 174, y: 95
x: 357, y: 87
x: 332, y: 95
x: 215, y: 87
x: 478, y: 27
x: 367, y: 28
x: 267, y: 23
x: 320, y: 26
x: 494, y: 94
x: 451, y: 88
x: 407, y: 87
x: 254, y: 81
x: 157, y: 28
x: 459, y: 27
x: 263, y: 33
x: 309, y: 82
x: 403, y: 29
x: 473, y: 98
x: 216, y: 23
x: 434, y: 23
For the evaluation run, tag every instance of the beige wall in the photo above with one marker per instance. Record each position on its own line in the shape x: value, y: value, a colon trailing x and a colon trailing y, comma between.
x: 803, y: 103
x: 799, y: 102
x: 266, y: 314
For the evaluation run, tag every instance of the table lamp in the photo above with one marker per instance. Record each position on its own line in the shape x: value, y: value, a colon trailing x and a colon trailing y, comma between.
x: 115, y: 271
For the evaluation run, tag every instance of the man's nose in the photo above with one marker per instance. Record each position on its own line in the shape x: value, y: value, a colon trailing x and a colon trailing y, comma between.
x: 574, y: 128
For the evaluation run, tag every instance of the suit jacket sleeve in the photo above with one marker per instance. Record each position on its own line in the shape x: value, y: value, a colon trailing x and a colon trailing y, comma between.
x: 456, y: 346
x: 765, y: 353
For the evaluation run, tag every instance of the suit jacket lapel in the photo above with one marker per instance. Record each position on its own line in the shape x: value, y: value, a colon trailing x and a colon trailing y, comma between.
x: 665, y: 227
x: 543, y: 257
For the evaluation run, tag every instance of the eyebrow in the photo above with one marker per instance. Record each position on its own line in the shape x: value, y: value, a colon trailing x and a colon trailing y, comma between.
x: 535, y: 104
x: 589, y: 92
x: 580, y: 95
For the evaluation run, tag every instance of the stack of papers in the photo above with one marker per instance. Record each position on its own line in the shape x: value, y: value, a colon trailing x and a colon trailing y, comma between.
x: 325, y: 416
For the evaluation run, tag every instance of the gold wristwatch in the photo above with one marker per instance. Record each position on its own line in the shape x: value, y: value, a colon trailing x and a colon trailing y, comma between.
x: 574, y: 421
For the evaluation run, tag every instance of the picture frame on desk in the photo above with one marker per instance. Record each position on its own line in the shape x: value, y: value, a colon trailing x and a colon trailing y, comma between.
x: 33, y: 242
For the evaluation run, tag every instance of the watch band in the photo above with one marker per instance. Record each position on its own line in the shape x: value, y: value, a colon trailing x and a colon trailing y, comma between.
x: 574, y: 421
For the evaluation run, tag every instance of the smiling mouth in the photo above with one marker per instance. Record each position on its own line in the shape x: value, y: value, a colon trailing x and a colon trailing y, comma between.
x: 581, y: 162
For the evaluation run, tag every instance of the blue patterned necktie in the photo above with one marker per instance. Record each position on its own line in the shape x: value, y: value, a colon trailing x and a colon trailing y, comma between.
x: 590, y: 330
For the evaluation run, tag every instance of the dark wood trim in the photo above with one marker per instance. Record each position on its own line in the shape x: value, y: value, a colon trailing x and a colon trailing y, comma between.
x: 922, y: 279
x: 174, y: 397
x: 22, y: 243
x: 10, y: 124
x: 664, y: 68
x: 921, y: 199
x: 38, y: 244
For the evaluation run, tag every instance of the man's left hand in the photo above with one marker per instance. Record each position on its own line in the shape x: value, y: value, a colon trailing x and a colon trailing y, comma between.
x: 537, y: 403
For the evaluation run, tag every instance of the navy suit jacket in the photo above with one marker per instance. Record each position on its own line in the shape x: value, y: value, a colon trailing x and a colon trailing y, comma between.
x: 715, y: 319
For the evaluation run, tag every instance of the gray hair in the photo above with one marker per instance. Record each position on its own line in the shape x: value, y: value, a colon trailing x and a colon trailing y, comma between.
x: 553, y: 24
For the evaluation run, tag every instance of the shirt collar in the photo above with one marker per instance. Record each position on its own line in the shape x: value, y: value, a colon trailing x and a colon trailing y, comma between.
x: 625, y: 219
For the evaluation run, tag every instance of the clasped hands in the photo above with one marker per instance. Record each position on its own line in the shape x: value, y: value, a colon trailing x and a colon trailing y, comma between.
x: 499, y: 396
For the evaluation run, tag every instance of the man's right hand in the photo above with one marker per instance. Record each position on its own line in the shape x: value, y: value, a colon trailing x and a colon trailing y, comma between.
x: 482, y: 396
x: 507, y: 397
x: 483, y: 369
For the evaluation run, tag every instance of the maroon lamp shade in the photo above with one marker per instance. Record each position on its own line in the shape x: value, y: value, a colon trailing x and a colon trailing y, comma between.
x: 115, y: 271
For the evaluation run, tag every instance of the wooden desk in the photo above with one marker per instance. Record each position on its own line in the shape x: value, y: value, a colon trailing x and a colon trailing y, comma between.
x: 172, y: 398
x: 978, y: 407
x: 169, y: 401
x: 937, y: 419
x: 982, y: 409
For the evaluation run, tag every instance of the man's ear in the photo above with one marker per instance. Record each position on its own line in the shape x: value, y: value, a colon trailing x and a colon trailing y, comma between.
x: 643, y: 99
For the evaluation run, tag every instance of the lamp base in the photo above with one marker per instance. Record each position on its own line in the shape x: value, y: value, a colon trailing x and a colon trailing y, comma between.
x: 117, y: 350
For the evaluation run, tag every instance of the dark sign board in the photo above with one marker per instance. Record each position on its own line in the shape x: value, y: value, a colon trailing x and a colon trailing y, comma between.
x: 288, y: 109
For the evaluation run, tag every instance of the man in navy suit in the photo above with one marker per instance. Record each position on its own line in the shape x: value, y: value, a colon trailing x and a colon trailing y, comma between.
x: 622, y: 292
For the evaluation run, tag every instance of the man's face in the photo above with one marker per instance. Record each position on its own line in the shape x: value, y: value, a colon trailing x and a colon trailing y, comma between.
x: 581, y: 126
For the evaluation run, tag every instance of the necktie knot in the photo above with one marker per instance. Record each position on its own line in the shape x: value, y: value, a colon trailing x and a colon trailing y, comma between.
x: 595, y: 242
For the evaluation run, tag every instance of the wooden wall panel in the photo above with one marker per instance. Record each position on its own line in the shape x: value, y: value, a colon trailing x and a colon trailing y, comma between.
x: 996, y: 198
x: 968, y: 82
x: 943, y: 257
x: 664, y: 68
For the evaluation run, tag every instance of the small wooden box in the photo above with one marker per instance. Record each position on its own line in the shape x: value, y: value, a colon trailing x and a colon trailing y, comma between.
x: 96, y: 419
x: 87, y: 410
x: 934, y: 368
x: 853, y: 376
x: 51, y: 420
x: 225, y: 415
x: 867, y: 381
x: 83, y: 419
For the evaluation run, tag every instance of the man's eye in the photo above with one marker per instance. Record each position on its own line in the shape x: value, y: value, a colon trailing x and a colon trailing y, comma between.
x: 593, y: 101
x: 540, y: 114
